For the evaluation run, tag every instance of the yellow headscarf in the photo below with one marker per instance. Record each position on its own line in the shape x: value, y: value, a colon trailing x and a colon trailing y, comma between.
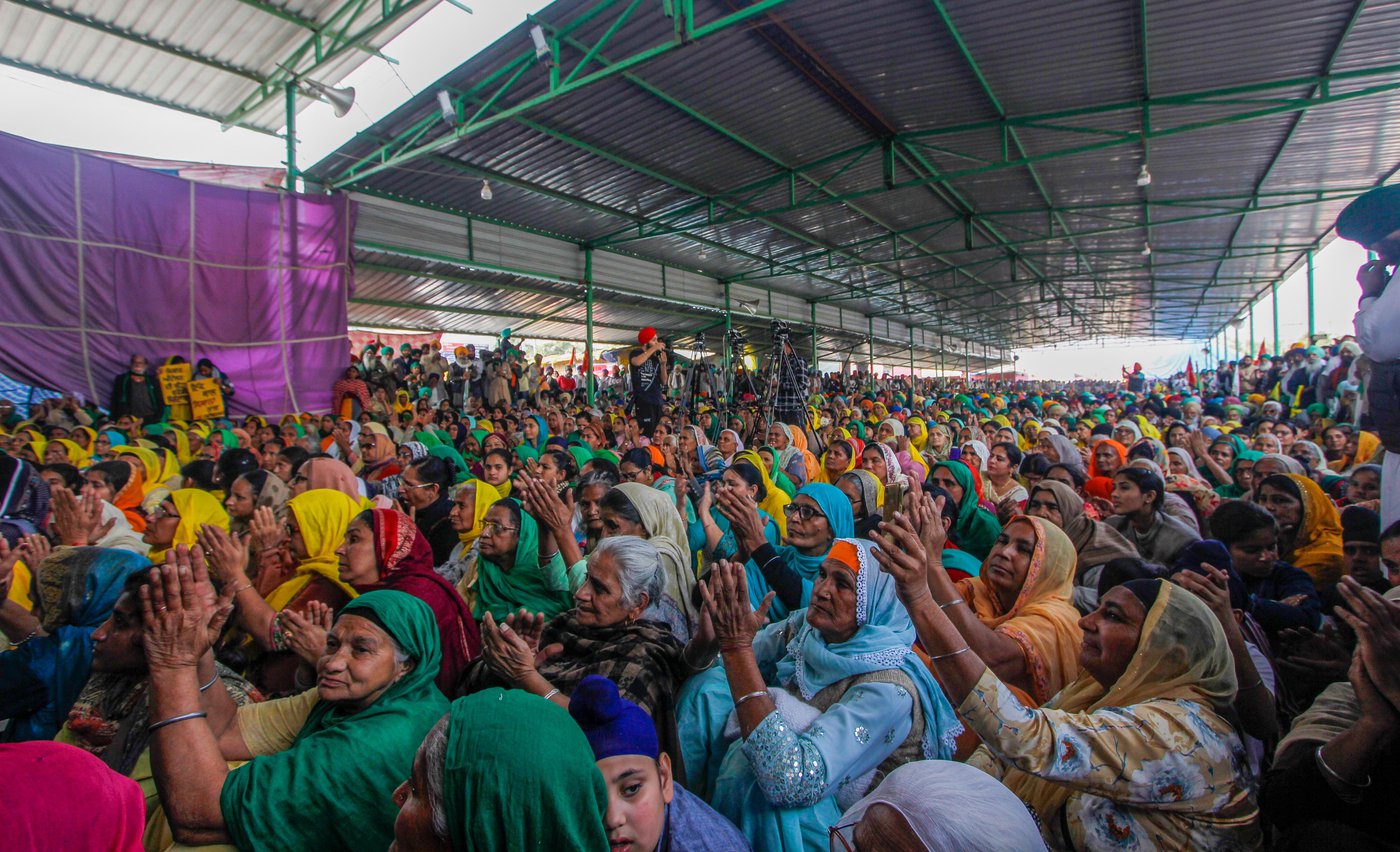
x: 323, y: 515
x: 919, y: 441
x: 823, y: 476
x: 151, y: 466
x: 1366, y: 445
x: 90, y: 434
x: 195, y: 508
x: 1181, y: 655
x: 77, y: 456
x: 182, y: 445
x: 777, y: 498
x: 486, y: 494
x: 1317, y: 547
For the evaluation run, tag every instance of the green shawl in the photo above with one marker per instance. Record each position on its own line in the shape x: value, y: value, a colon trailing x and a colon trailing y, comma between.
x: 778, y: 475
x: 976, y: 529
x: 1233, y: 491
x: 535, y: 587
x: 427, y: 439
x: 519, y: 774
x: 333, y: 789
x: 447, y: 452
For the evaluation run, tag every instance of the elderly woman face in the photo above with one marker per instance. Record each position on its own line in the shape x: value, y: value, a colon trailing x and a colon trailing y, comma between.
x: 1286, y: 508
x: 1124, y: 435
x: 1305, y: 455
x: 1176, y: 465
x: 728, y: 444
x: 1106, y: 459
x: 55, y: 453
x: 1044, y: 446
x: 360, y: 662
x: 852, y: 490
x: 1111, y: 635
x: 685, y: 441
x: 1009, y: 562
x: 600, y: 600
x: 943, y: 478
x: 1043, y: 504
x: 160, y: 530
x: 807, y: 527
x: 589, y: 510
x: 1267, y: 467
x: 989, y: 432
x: 832, y: 612
x: 499, y: 534
x: 971, y: 457
x: 359, y: 565
x: 240, y: 501
x: 463, y: 512
x: 615, y: 523
x: 885, y: 432
x: 838, y: 456
x: 874, y: 461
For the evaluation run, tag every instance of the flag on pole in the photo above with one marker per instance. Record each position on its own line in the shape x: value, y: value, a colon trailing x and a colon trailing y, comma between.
x: 1190, y: 375
x: 1263, y: 350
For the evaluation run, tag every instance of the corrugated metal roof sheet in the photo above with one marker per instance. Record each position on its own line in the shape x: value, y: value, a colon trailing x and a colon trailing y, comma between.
x: 205, y: 57
x: 722, y: 155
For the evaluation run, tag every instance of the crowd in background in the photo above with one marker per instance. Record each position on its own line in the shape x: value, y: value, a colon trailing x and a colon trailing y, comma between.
x: 481, y: 605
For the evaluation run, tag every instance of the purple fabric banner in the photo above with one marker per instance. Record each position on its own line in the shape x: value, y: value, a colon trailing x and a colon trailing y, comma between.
x: 100, y: 261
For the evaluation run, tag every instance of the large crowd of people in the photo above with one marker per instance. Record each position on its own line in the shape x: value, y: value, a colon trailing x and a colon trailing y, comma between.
x: 483, y: 605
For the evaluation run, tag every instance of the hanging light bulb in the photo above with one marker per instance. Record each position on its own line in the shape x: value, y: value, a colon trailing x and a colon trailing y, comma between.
x: 1146, y: 249
x: 1144, y: 177
x: 486, y: 194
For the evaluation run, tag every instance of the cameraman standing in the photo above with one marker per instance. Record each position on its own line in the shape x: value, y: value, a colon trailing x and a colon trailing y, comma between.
x: 791, y: 398
x: 1373, y: 220
x: 649, y: 371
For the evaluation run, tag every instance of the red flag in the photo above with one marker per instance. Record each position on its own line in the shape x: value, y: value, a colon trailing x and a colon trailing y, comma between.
x: 573, y: 353
x: 1190, y: 374
x: 1263, y: 350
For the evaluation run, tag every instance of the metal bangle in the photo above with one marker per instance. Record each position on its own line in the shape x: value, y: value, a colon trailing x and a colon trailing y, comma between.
x: 953, y: 602
x: 550, y: 694
x: 32, y: 634
x: 213, y: 680
x: 1322, y: 764
x: 762, y: 693
x: 173, y: 719
x: 963, y: 650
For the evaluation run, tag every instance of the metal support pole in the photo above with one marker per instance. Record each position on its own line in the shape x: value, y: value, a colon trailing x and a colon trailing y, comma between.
x: 870, y: 347
x: 1274, y: 292
x: 941, y: 365
x: 911, y: 368
x: 291, y: 136
x: 1312, y: 310
x: 1237, y: 343
x: 588, y: 318
x: 814, y: 336
x: 725, y: 347
x: 1252, y: 347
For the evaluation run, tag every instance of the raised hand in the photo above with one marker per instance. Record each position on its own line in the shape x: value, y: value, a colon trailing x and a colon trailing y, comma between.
x: 176, y: 620
x: 223, y: 553
x: 305, y: 634
x: 726, y: 598
x: 507, y: 655
x: 78, y: 520
x: 742, y: 512
x: 902, y: 555
x: 1213, y: 589
x: 928, y: 523
x: 264, y: 530
x: 529, y: 627
x: 1377, y: 635
x: 35, y: 548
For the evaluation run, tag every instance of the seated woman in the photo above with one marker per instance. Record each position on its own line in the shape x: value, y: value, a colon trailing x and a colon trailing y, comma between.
x: 44, y: 780
x: 790, y: 458
x: 111, y: 714
x: 1000, y: 484
x: 73, y: 590
x: 511, y: 573
x: 1310, y: 529
x: 648, y: 809
x: 266, y: 649
x: 1095, y: 543
x: 609, y: 632
x: 819, y: 515
x: 838, y: 460
x: 384, y: 550
x: 1137, y: 752
x: 777, y: 499
x: 457, y: 796
x: 808, y: 714
x: 939, y: 804
x: 977, y: 529
x: 426, y: 487
x: 1281, y: 596
x: 883, y: 464
x: 178, y: 518
x: 647, y: 512
x: 469, y: 507
x: 719, y: 538
x: 336, y: 751
x: 867, y: 498
x: 252, y: 491
x: 1138, y: 504
x: 1017, y: 612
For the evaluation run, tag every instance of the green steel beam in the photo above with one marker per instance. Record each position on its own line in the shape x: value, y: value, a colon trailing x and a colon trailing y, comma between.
x: 480, y: 312
x: 1317, y: 88
x: 718, y: 25
x: 1283, y: 106
x: 312, y: 25
x: 328, y: 42
x: 125, y: 93
x: 141, y: 39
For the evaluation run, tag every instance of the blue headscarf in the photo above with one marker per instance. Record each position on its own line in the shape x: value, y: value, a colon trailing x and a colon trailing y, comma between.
x: 85, y: 584
x: 883, y: 639
x: 538, y: 444
x: 836, y: 506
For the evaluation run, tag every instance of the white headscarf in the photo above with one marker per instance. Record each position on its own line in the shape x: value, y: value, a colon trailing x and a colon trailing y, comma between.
x: 951, y: 806
x: 982, y: 453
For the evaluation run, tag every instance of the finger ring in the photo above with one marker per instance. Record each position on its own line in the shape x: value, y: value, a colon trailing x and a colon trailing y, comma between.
x: 161, y: 608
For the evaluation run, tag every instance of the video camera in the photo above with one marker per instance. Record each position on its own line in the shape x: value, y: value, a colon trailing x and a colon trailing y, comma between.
x: 779, y: 328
